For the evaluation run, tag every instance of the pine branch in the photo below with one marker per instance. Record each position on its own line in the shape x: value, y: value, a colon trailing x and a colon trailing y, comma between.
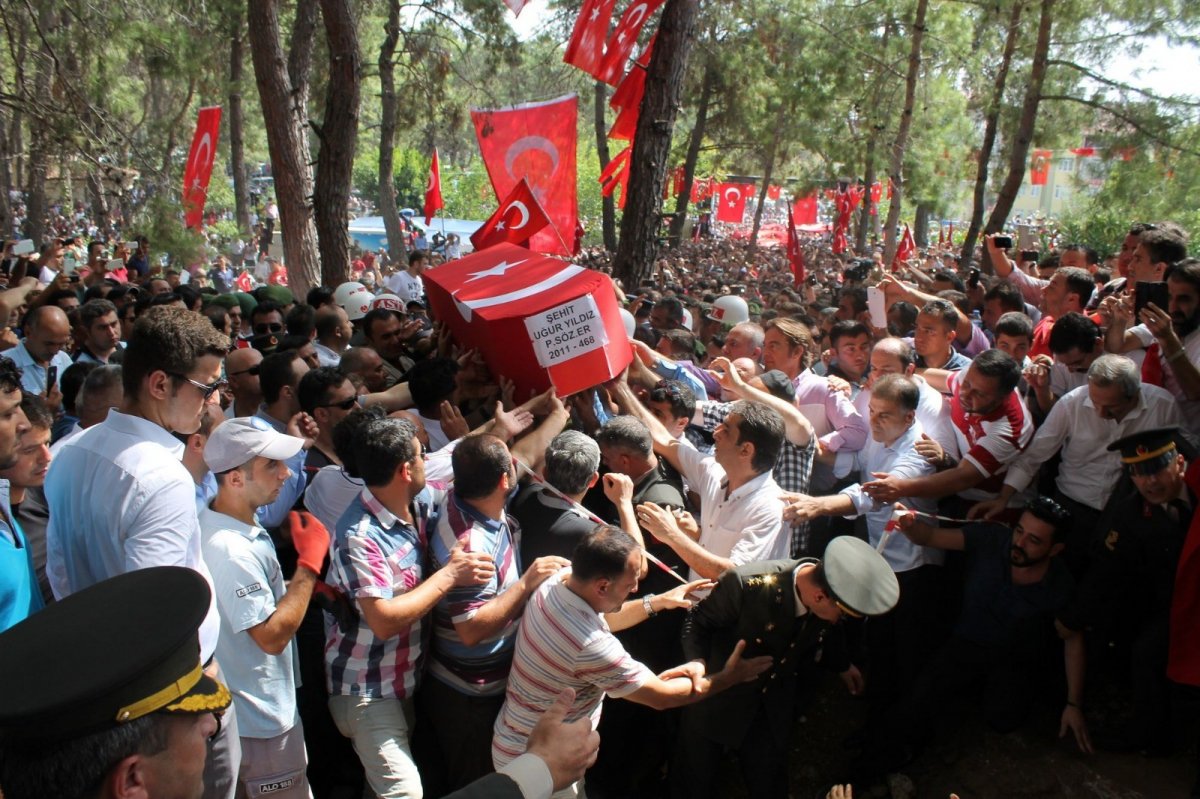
x: 1138, y: 125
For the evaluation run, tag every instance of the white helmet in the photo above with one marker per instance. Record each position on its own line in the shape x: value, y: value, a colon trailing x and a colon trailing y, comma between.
x: 354, y: 299
x: 389, y: 302
x: 629, y: 321
x: 729, y: 309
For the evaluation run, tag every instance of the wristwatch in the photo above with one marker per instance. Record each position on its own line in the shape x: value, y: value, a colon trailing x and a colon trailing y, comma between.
x: 650, y: 611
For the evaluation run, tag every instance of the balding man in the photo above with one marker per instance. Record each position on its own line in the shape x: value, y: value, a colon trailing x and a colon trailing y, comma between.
x: 368, y: 365
x: 745, y: 340
x: 47, y: 334
x: 241, y: 370
x: 333, y: 334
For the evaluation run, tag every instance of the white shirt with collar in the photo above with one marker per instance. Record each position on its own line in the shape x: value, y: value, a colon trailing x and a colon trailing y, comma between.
x: 1089, y: 471
x: 326, y: 356
x: 121, y: 499
x: 746, y: 525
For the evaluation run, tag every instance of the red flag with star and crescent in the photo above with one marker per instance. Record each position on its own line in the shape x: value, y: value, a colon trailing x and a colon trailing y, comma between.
x: 804, y: 210
x: 731, y: 201
x: 906, y: 249
x: 616, y: 174
x: 535, y: 142
x: 198, y: 170
x: 585, y: 49
x: 517, y: 220
x: 433, y: 190
x: 795, y: 253
x: 624, y: 37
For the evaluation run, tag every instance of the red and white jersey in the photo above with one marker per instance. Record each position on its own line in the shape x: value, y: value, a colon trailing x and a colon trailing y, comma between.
x: 989, y: 441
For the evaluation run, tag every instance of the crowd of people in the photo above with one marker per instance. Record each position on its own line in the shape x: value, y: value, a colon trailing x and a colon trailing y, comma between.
x: 933, y: 481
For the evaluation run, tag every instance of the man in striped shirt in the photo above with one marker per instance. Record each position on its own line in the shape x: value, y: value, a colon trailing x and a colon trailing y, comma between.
x: 377, y: 559
x: 566, y: 641
x: 475, y: 626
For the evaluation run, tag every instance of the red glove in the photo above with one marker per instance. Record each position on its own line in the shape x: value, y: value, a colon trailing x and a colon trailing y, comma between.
x: 311, y: 540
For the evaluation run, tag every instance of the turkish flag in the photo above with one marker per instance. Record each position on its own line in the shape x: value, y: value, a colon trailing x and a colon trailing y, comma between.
x: 628, y: 98
x: 678, y: 176
x: 1039, y: 167
x: 774, y: 192
x: 535, y: 320
x: 433, y: 190
x: 905, y: 250
x: 624, y: 38
x: 731, y: 201
x: 795, y: 254
x: 804, y: 210
x: 535, y: 141
x: 242, y: 282
x: 585, y: 49
x: 517, y: 219
x: 200, y: 165
x: 616, y: 174
x: 1084, y: 152
x: 702, y: 189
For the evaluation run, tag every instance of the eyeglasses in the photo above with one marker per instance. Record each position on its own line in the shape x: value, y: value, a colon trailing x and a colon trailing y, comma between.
x: 268, y: 327
x: 345, y: 404
x: 207, y: 389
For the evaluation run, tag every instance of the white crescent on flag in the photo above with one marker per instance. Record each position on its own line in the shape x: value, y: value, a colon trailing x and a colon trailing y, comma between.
x: 200, y: 164
x: 520, y: 206
x: 523, y: 145
x: 636, y: 14
x: 466, y: 307
x: 732, y: 195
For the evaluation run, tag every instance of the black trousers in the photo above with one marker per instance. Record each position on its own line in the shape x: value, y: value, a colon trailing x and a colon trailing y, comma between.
x: 762, y: 758
x: 899, y: 643
x: 453, y: 742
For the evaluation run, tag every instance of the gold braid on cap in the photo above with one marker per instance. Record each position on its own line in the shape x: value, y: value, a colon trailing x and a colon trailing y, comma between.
x: 1141, y: 454
x: 163, y: 697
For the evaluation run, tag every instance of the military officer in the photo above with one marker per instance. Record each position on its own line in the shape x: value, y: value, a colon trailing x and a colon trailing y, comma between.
x: 788, y: 609
x: 1127, y: 593
x: 103, y: 695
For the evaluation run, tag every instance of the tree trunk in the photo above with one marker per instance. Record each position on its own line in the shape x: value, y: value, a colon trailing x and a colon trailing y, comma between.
x: 237, y: 135
x: 608, y: 208
x: 6, y: 182
x: 282, y: 92
x: 921, y: 225
x: 387, y: 134
x: 1024, y: 137
x: 95, y: 190
x: 864, y: 215
x: 989, y: 134
x: 647, y: 170
x: 768, y: 172
x: 679, y: 220
x: 339, y: 134
x: 900, y: 143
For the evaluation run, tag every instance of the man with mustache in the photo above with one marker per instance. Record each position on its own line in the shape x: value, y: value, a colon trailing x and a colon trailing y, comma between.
x: 1013, y: 588
x: 1171, y: 337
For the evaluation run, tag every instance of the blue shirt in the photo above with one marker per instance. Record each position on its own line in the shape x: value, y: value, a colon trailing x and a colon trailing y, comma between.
x: 273, y: 515
x: 33, y: 374
x: 19, y: 594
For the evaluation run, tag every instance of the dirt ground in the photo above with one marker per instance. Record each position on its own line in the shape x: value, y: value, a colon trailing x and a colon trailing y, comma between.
x: 970, y: 760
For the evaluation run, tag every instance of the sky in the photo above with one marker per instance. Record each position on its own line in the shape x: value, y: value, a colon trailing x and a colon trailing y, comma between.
x: 1159, y: 69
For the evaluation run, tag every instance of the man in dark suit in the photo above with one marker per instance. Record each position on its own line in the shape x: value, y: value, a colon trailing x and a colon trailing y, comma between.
x: 788, y: 609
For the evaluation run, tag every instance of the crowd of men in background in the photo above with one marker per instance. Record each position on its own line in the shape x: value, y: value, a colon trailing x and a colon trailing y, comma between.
x: 930, y: 481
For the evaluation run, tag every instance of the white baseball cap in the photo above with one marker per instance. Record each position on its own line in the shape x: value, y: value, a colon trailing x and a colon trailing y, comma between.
x: 236, y: 442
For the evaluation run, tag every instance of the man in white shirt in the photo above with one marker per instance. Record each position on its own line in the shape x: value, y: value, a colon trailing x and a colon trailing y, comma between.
x: 407, y: 285
x: 741, y: 514
x: 120, y: 498
x: 334, y: 332
x: 259, y: 615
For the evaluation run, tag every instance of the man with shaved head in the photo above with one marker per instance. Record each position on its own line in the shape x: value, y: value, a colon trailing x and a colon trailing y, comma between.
x: 47, y: 335
x: 241, y: 370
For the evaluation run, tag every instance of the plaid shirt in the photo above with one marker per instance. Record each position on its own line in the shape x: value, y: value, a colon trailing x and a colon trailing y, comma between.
x: 793, y: 467
x: 375, y: 555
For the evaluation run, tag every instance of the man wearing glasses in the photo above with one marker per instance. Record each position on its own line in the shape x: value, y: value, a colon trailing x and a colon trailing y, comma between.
x: 120, y: 498
x: 327, y: 396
